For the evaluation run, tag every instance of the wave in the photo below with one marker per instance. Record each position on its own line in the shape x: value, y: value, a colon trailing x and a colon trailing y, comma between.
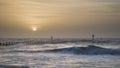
x: 89, y: 50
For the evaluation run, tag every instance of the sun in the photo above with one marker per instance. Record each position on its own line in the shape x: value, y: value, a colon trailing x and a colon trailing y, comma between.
x: 34, y: 28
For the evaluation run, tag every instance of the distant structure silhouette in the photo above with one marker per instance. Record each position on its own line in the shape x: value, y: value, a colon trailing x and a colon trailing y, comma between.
x: 93, y: 38
x: 52, y: 39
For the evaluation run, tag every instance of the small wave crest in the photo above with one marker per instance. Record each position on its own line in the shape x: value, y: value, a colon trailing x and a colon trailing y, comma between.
x: 89, y: 50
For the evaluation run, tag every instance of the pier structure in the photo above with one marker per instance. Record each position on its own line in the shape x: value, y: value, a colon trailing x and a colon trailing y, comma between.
x: 7, y: 43
x: 51, y: 40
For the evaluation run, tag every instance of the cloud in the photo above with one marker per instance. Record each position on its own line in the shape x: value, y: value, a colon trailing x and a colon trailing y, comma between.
x: 60, y: 16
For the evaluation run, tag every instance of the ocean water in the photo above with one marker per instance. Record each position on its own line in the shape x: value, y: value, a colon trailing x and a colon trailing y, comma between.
x: 61, y: 55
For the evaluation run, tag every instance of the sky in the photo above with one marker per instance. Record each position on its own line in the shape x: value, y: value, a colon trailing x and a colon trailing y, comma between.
x: 60, y: 18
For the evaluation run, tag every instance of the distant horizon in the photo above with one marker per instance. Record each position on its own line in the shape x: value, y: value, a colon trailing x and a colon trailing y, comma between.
x: 100, y: 37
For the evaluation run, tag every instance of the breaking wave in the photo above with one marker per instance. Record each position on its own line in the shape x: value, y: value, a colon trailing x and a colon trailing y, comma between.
x: 88, y: 50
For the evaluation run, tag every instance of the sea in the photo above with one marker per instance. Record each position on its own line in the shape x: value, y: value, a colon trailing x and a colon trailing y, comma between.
x: 70, y: 53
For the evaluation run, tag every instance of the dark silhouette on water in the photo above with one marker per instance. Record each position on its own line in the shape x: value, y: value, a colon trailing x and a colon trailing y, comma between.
x: 93, y: 38
x: 52, y: 40
x: 9, y: 66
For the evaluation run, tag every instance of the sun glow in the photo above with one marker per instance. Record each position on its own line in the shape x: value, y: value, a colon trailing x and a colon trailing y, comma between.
x: 34, y: 28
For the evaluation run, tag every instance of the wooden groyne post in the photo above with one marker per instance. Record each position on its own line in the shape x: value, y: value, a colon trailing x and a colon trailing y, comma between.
x: 93, y: 38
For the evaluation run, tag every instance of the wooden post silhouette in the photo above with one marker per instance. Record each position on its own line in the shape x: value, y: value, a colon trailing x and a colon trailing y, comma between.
x: 52, y: 39
x: 93, y: 38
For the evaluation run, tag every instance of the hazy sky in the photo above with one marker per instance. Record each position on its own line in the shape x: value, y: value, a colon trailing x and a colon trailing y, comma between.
x: 60, y: 18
